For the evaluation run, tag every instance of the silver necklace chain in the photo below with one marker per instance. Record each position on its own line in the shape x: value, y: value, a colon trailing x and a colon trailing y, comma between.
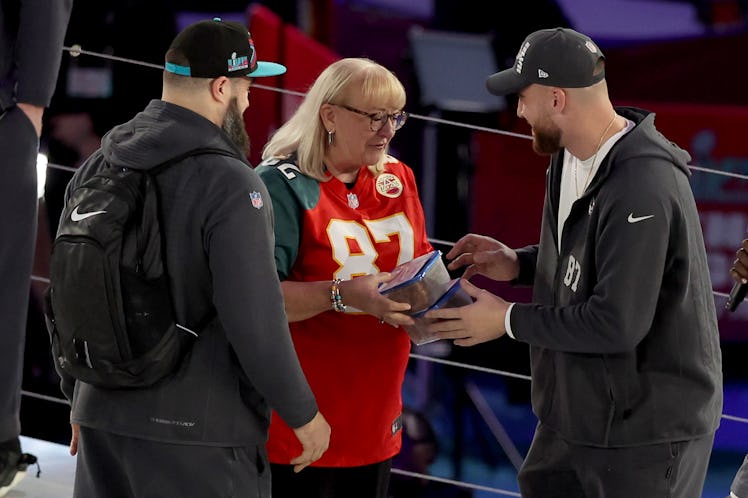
x: 592, y: 167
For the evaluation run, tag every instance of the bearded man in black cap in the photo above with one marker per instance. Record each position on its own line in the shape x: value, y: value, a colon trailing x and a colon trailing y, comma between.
x: 624, y: 345
x: 201, y: 431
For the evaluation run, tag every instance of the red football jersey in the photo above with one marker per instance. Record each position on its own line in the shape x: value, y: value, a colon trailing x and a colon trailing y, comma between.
x: 354, y: 364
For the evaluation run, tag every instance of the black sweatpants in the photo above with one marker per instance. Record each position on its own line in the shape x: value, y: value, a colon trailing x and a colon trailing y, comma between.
x: 123, y: 467
x: 18, y: 205
x: 556, y: 469
x: 367, y: 481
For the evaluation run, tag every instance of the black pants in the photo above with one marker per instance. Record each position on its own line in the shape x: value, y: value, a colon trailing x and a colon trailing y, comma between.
x: 114, y: 466
x: 368, y: 481
x: 556, y: 469
x: 18, y: 203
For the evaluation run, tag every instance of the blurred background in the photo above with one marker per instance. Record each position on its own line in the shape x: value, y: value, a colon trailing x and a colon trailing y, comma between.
x: 683, y: 59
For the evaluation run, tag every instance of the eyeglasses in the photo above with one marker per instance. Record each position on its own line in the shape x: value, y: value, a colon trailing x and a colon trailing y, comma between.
x: 378, y: 119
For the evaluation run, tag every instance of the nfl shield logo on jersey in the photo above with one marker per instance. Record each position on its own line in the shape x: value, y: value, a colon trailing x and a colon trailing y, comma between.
x: 353, y: 201
x: 256, y: 199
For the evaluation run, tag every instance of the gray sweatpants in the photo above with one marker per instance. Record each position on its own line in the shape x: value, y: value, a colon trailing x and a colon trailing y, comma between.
x: 19, y: 146
x: 125, y: 467
x: 554, y: 468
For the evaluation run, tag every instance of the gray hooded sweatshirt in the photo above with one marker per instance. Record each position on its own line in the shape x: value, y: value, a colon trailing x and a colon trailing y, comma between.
x: 622, y: 330
x: 218, y: 225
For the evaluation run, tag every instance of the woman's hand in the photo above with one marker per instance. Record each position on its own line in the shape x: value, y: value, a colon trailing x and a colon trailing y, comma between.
x: 363, y: 294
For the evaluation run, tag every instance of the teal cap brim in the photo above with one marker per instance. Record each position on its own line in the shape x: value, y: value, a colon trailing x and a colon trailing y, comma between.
x: 267, y: 69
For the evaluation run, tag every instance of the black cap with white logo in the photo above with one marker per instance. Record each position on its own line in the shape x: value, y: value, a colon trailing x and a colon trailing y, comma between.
x: 558, y: 57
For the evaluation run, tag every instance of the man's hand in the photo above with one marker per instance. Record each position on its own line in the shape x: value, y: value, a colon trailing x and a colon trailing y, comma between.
x: 74, y: 439
x: 484, y: 256
x: 473, y: 324
x: 34, y: 113
x: 314, y: 436
x: 739, y: 270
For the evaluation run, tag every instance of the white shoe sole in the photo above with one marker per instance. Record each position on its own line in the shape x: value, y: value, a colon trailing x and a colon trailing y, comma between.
x: 19, y: 475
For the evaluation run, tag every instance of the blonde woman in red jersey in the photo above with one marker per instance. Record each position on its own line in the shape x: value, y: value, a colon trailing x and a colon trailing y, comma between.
x: 345, y: 214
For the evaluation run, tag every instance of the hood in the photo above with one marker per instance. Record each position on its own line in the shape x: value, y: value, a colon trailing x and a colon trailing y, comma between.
x: 644, y: 142
x: 161, y: 132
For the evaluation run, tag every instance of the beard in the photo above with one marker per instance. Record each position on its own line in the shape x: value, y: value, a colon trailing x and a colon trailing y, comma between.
x: 546, y: 137
x: 233, y: 125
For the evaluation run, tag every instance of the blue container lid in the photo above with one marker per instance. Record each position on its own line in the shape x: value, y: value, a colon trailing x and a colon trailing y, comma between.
x: 431, y: 259
x: 454, y: 288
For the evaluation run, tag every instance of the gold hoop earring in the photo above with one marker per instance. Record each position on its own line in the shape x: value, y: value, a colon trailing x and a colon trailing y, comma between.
x: 330, y: 137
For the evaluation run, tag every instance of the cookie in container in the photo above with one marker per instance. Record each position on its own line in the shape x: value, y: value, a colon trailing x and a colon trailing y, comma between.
x: 454, y: 297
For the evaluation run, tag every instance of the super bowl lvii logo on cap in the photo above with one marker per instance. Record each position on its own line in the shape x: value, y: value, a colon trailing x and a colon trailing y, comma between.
x: 238, y: 63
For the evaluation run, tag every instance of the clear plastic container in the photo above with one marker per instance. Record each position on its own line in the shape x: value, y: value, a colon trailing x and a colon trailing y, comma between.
x: 419, y: 282
x: 454, y: 297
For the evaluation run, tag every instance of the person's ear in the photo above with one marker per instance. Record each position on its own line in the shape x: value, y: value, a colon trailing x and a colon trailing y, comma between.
x: 327, y: 115
x: 220, y: 89
x: 559, y: 99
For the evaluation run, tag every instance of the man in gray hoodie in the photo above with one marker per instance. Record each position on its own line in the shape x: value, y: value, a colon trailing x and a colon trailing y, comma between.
x: 31, y: 36
x: 624, y: 345
x: 202, y: 430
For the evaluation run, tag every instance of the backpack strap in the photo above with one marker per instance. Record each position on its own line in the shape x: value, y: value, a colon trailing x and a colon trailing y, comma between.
x: 152, y: 172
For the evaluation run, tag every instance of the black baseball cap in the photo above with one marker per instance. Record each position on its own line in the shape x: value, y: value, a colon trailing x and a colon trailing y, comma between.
x: 215, y: 48
x: 558, y: 57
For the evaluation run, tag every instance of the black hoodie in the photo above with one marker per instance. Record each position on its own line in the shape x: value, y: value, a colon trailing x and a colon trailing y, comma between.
x: 623, y: 329
x: 218, y: 225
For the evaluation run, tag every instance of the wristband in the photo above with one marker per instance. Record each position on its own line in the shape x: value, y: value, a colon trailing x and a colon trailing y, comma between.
x: 336, y: 300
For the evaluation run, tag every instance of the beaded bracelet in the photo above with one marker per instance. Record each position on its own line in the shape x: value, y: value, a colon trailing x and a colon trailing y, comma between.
x: 335, y: 298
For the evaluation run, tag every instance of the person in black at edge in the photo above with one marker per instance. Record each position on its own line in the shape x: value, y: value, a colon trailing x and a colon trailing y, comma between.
x: 31, y: 36
x: 739, y: 272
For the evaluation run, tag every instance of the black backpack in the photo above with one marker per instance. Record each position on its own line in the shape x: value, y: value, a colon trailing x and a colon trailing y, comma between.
x: 108, y: 307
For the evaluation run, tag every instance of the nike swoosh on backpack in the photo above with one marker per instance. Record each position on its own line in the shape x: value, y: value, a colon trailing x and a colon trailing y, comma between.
x: 76, y: 216
x: 636, y: 219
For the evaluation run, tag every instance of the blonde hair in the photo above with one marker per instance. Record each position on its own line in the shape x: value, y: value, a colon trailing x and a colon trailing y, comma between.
x: 305, y: 134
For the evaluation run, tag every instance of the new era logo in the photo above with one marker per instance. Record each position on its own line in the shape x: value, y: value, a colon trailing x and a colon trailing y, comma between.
x: 542, y: 74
